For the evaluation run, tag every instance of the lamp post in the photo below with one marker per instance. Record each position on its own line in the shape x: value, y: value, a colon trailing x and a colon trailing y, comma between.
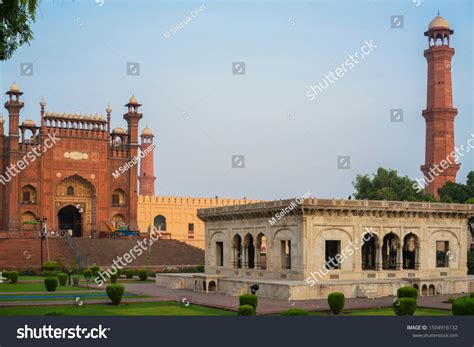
x: 41, y: 222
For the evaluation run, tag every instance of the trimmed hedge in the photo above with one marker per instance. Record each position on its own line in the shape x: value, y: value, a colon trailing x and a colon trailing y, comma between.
x: 463, y: 306
x: 407, y: 292
x: 51, y: 283
x: 404, y: 306
x: 200, y: 268
x: 143, y: 274
x: 87, y: 274
x: 13, y: 276
x: 249, y: 299
x: 6, y: 275
x: 129, y: 273
x: 62, y: 277
x: 49, y: 273
x: 115, y: 293
x: 52, y: 266
x: 246, y: 310
x: 95, y: 270
x: 295, y: 312
x: 336, y: 302
x: 113, y: 278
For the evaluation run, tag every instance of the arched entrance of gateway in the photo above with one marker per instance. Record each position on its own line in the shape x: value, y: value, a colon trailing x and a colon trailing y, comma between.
x: 69, y: 218
x: 75, y: 204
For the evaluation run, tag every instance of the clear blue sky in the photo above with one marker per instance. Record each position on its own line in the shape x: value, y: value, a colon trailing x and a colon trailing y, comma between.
x: 81, y: 49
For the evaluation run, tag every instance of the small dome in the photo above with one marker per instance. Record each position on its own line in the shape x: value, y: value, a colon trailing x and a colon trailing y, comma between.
x: 133, y: 100
x: 42, y: 102
x: 14, y: 88
x: 119, y: 130
x: 1, y: 119
x: 29, y: 123
x: 108, y: 109
x: 438, y: 22
x: 147, y: 132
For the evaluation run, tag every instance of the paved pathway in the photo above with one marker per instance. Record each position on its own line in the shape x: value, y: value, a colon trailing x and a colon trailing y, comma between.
x: 73, y: 302
x: 273, y: 306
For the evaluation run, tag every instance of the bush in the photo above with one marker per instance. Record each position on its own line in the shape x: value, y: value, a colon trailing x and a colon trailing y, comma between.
x: 119, y: 272
x: 246, y: 310
x: 249, y: 299
x: 463, y: 307
x: 129, y: 273
x: 336, y: 302
x: 115, y: 293
x: 28, y: 272
x: 62, y: 277
x: 200, y: 268
x: 6, y: 275
x: 113, y: 278
x: 295, y: 312
x: 13, y: 276
x: 87, y: 274
x: 471, y: 295
x: 95, y: 270
x: 143, y: 274
x: 52, y: 266
x: 404, y: 306
x: 51, y: 283
x: 407, y: 292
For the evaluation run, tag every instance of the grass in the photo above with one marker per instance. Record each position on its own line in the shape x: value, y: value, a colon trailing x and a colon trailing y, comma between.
x: 63, y: 296
x: 34, y: 287
x: 387, y: 312
x: 131, y: 309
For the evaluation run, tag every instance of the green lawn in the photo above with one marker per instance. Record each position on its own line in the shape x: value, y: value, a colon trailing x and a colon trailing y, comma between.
x: 387, y: 312
x: 131, y: 309
x: 34, y: 287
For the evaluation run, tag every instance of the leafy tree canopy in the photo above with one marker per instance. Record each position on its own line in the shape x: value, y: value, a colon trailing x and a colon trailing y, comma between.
x: 458, y: 192
x: 386, y: 184
x: 16, y: 17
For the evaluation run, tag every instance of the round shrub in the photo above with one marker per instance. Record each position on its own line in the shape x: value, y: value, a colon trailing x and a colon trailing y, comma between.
x: 13, y: 276
x: 336, y: 302
x: 51, y: 283
x: 249, y: 299
x: 246, y: 310
x: 407, y: 292
x: 295, y: 312
x: 87, y: 274
x: 129, y: 273
x: 52, y: 266
x: 113, y: 278
x: 62, y: 277
x: 143, y: 274
x: 404, y: 306
x: 463, y: 307
x: 115, y: 293
x: 95, y: 270
x: 6, y: 275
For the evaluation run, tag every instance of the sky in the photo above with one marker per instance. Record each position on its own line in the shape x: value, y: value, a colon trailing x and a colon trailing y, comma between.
x: 207, y: 112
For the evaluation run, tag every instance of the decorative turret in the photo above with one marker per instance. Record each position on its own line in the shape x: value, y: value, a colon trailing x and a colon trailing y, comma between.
x: 147, y: 176
x: 14, y: 105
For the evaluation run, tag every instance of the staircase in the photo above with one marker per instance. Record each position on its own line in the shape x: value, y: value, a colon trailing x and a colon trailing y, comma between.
x: 22, y: 254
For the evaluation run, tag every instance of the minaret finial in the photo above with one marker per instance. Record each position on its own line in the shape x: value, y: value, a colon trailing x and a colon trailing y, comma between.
x: 438, y: 12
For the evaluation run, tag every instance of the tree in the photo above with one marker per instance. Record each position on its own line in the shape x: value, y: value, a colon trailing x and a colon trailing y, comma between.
x: 458, y: 192
x: 16, y: 17
x: 387, y: 185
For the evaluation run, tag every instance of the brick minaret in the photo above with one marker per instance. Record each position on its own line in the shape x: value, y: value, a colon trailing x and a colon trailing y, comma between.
x: 439, y: 166
x: 133, y: 117
x: 13, y: 105
x: 147, y: 176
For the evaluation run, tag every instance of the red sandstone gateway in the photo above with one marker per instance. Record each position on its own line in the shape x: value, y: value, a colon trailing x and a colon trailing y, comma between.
x: 62, y: 170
